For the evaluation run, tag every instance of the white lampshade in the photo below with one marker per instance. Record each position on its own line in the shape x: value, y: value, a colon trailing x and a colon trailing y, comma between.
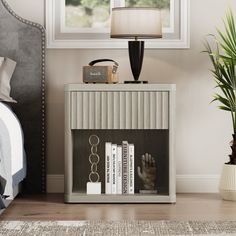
x: 127, y: 22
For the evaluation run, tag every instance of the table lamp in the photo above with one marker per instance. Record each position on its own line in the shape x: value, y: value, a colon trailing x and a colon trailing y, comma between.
x: 136, y: 23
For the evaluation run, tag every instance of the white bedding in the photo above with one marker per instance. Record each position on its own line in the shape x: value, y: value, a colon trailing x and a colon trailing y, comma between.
x: 11, y: 147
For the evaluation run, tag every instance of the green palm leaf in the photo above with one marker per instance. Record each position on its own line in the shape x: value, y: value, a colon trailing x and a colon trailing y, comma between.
x: 223, y: 59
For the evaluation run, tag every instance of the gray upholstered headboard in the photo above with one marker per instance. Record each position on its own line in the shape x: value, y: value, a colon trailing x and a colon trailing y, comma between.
x: 24, y: 42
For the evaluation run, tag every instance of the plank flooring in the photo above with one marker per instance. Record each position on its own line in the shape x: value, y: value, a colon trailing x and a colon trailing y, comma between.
x: 188, y: 207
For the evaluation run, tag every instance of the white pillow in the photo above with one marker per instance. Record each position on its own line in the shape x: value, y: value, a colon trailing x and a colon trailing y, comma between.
x: 7, y: 67
x: 1, y: 61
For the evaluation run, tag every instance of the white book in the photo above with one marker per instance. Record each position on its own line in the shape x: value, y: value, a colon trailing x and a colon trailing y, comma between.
x: 108, y: 157
x: 131, y: 169
x: 125, y: 166
x: 119, y: 170
x: 113, y: 169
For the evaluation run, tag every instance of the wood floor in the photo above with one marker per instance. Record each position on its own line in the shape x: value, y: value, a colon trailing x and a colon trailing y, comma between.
x: 188, y: 207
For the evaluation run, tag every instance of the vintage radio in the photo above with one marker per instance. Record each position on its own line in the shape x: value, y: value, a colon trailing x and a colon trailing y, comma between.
x: 100, y: 74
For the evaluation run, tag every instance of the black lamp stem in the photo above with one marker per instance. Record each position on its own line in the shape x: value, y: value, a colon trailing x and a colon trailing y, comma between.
x: 136, y: 51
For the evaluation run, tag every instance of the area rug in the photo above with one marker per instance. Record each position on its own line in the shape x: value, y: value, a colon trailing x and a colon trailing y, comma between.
x: 117, y: 228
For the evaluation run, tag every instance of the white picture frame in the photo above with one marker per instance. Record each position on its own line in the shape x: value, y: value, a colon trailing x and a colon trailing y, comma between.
x: 59, y: 37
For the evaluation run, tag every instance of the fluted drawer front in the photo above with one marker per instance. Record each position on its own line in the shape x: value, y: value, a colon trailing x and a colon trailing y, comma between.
x: 119, y: 110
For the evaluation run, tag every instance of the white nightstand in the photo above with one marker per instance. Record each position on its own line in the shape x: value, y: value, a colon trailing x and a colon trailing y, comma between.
x: 143, y: 114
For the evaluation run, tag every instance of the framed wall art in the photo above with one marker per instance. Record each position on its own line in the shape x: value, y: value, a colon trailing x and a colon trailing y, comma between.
x: 86, y: 23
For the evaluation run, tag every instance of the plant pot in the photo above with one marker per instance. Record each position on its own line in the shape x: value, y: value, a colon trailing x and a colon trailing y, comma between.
x: 227, y: 185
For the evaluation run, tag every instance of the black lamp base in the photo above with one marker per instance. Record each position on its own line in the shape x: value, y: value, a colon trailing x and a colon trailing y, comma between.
x: 136, y: 82
x: 136, y: 51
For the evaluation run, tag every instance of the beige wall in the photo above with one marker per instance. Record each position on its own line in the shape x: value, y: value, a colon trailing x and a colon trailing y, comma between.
x: 202, y: 131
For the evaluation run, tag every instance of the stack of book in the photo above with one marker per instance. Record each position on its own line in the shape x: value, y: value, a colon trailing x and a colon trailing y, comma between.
x: 119, y: 168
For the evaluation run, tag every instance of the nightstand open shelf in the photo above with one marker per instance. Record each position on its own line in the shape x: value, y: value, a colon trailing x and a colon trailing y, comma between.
x: 140, y: 114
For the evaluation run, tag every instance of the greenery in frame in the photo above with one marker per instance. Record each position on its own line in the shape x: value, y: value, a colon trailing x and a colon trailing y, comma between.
x: 87, y: 13
x: 148, y: 3
x: 87, y: 3
x: 96, y: 13
x: 129, y: 3
x: 223, y: 58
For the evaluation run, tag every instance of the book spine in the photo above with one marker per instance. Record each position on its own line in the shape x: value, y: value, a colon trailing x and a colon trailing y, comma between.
x: 119, y: 169
x: 131, y: 168
x: 125, y: 183
x: 113, y: 179
x: 108, y: 168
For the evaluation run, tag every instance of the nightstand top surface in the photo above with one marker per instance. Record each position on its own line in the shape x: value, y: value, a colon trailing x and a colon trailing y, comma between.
x: 119, y: 87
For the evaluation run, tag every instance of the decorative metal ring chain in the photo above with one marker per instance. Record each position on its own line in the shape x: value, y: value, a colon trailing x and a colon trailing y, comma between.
x: 94, y: 158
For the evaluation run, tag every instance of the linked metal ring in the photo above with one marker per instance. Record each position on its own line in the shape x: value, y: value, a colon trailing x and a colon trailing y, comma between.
x: 90, y: 158
x: 94, y: 168
x: 94, y: 174
x: 94, y: 149
x: 94, y: 140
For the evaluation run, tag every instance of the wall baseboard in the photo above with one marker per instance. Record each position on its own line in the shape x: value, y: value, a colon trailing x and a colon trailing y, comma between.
x: 184, y: 183
x: 197, y: 183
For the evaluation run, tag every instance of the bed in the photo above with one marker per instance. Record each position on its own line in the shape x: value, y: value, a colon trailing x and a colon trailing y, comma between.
x: 12, y: 154
x: 24, y: 42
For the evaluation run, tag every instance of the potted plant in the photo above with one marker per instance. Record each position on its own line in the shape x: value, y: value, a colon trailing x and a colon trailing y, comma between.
x: 223, y: 58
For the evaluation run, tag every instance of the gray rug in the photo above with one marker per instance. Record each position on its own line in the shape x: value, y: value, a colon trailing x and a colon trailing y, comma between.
x: 114, y: 228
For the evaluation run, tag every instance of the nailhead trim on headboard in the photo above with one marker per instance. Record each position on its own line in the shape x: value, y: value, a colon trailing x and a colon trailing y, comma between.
x: 41, y: 28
